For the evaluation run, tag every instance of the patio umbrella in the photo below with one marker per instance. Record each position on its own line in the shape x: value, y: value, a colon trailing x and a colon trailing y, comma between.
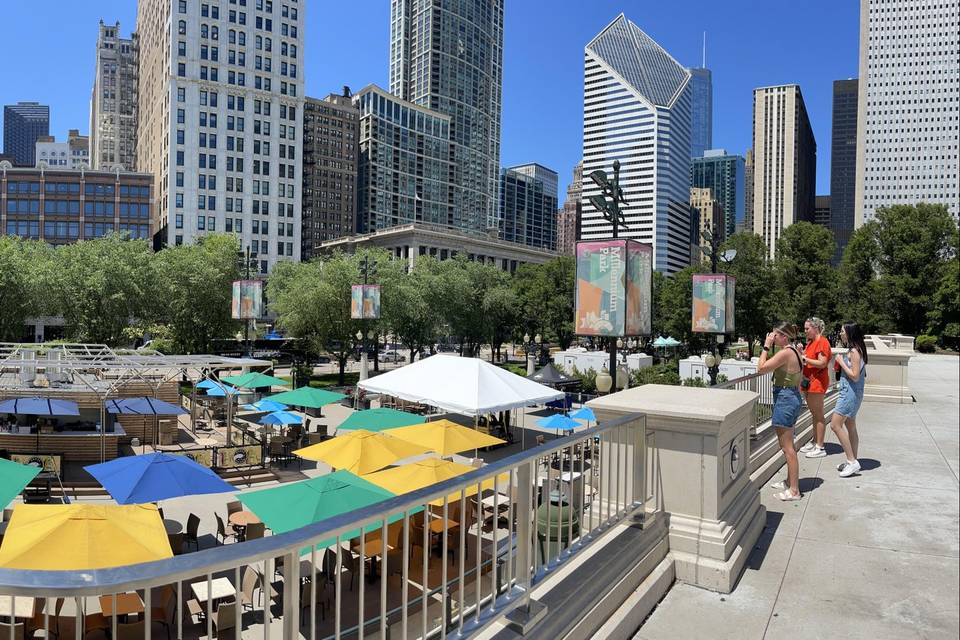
x: 307, y: 397
x: 13, y: 478
x: 207, y: 384
x: 40, y: 407
x: 83, y: 536
x: 559, y: 422
x: 360, y: 451
x: 584, y: 413
x: 255, y: 380
x: 217, y: 392
x: 445, y: 437
x: 379, y: 420
x: 265, y: 405
x: 144, y: 406
x: 281, y: 418
x: 423, y: 473
x: 155, y: 476
x: 672, y: 342
x: 660, y: 342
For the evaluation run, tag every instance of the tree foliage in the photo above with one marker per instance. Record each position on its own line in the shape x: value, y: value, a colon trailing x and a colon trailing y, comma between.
x: 806, y: 279
x: 24, y: 283
x: 755, y: 284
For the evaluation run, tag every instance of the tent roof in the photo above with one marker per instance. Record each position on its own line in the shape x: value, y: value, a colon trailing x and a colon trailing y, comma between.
x: 550, y: 375
x: 468, y: 386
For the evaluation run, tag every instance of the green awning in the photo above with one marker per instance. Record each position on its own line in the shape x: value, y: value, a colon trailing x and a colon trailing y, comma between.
x: 255, y: 380
x: 14, y: 477
x: 380, y: 420
x: 307, y: 397
x: 297, y: 504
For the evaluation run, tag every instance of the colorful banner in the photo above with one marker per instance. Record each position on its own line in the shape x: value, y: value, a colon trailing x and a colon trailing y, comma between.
x: 713, y: 303
x: 365, y: 302
x: 248, y: 456
x: 601, y: 295
x: 48, y: 462
x: 639, y: 289
x: 247, y: 302
x: 203, y: 457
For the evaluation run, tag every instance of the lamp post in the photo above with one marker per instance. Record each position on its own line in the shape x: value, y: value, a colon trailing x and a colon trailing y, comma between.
x: 368, y: 268
x: 245, y: 259
x: 712, y: 251
x: 532, y: 347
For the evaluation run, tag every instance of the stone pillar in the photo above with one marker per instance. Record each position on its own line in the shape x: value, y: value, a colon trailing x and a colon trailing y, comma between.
x: 413, y: 252
x: 888, y: 361
x: 697, y: 470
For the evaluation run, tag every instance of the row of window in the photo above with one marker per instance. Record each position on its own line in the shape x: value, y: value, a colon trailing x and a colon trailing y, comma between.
x: 89, y: 188
x: 71, y: 230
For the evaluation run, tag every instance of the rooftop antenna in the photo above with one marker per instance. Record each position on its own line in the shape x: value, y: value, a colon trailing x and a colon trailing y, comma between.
x: 704, y: 65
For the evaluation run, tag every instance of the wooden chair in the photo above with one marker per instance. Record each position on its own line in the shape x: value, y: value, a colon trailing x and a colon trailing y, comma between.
x: 222, y: 534
x: 225, y: 617
x: 254, y: 530
x: 165, y: 612
x: 193, y: 527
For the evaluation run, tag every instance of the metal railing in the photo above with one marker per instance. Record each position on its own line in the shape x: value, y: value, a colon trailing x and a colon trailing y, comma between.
x: 499, y: 531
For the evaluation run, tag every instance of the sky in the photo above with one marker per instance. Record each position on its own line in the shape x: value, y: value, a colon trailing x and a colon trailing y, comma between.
x: 750, y: 44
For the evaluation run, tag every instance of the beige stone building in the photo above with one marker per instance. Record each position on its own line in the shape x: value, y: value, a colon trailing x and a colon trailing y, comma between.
x: 708, y: 214
x: 113, y: 101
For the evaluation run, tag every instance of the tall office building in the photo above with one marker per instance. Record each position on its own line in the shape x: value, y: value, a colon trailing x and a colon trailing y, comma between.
x: 221, y: 98
x: 405, y: 163
x: 785, y: 162
x: 723, y: 174
x: 908, y: 138
x: 331, y: 133
x: 822, y: 211
x: 701, y: 133
x: 747, y: 193
x: 23, y: 124
x: 843, y: 163
x: 637, y: 109
x: 448, y: 57
x: 113, y: 101
x: 528, y: 206
x: 568, y: 217
x: 709, y: 217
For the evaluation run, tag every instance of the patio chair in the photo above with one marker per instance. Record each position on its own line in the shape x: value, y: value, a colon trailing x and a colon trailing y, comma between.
x: 348, y: 564
x: 193, y: 528
x: 254, y: 530
x: 225, y: 617
x: 234, y: 506
x: 92, y: 622
x: 166, y: 610
x: 278, y: 453
x: 35, y: 623
x: 17, y: 632
x: 222, y: 534
x: 176, y: 543
x: 305, y: 589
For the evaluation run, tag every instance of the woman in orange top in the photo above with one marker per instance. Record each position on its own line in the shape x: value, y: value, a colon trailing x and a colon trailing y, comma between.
x: 816, y: 381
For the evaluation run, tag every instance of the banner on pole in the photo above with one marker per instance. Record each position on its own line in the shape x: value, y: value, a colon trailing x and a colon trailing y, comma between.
x: 247, y: 301
x: 365, y: 302
x: 614, y: 288
x: 713, y: 303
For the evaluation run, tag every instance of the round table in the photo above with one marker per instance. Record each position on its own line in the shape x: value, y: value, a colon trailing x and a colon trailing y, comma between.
x: 172, y: 527
x: 243, y: 518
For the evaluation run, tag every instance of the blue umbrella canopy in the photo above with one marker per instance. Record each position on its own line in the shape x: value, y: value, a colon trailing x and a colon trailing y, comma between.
x: 660, y: 342
x: 672, y: 342
x: 155, y: 476
x: 40, y: 407
x: 144, y: 406
x: 265, y: 405
x: 217, y: 392
x: 207, y: 384
x: 584, y: 413
x: 281, y: 417
x: 558, y: 421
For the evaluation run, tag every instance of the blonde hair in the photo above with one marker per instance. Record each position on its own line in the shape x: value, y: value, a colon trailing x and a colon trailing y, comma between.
x: 818, y: 323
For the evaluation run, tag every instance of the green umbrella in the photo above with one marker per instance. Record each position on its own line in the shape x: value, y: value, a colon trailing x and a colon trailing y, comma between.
x: 380, y: 420
x: 255, y: 380
x: 307, y: 397
x: 14, y: 477
x: 297, y: 504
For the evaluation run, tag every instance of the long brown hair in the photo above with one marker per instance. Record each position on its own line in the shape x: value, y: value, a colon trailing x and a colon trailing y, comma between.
x: 788, y: 329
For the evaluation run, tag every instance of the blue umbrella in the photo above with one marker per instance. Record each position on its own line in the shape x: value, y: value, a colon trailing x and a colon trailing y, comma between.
x: 558, y: 421
x: 217, y: 392
x: 265, y: 405
x: 144, y: 406
x: 155, y: 476
x: 40, y: 407
x: 207, y: 384
x: 584, y: 413
x: 281, y: 417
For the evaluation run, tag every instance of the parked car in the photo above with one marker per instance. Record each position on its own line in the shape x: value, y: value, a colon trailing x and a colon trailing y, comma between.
x: 392, y: 356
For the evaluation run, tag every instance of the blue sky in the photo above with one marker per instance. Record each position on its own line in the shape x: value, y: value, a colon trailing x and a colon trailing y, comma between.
x: 749, y: 44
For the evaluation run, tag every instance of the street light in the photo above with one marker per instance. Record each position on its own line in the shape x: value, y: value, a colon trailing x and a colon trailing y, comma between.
x: 532, y: 348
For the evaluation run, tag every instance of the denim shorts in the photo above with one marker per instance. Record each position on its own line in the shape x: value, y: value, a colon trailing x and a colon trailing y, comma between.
x: 786, y: 407
x: 849, y: 402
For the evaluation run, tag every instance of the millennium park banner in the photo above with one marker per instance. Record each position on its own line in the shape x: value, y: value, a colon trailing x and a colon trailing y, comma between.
x: 614, y: 286
x: 713, y: 303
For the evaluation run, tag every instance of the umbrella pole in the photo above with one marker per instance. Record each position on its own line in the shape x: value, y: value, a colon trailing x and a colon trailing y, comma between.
x: 103, y: 430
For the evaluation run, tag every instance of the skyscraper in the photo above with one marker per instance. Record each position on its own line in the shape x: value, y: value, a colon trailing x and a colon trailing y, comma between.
x: 331, y: 135
x: 785, y: 162
x: 637, y: 109
x: 448, y: 57
x: 528, y: 206
x: 843, y: 163
x: 747, y: 193
x: 908, y: 141
x: 568, y: 218
x: 723, y: 174
x: 23, y: 124
x: 709, y: 216
x: 821, y: 211
x: 113, y: 101
x: 701, y: 133
x: 221, y: 104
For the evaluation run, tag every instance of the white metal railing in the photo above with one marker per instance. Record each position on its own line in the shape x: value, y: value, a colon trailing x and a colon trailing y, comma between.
x: 530, y: 513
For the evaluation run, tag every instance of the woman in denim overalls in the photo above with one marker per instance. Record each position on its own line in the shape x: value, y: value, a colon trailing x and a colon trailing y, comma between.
x: 852, y: 368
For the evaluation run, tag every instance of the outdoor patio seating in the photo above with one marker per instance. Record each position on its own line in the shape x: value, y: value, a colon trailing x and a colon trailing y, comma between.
x: 225, y: 617
x: 193, y: 528
x: 165, y: 611
x: 254, y: 530
x: 222, y: 534
x: 16, y: 631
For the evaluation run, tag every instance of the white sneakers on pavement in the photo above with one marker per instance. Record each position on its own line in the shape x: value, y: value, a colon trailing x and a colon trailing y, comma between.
x: 807, y: 448
x: 850, y: 468
x: 816, y: 452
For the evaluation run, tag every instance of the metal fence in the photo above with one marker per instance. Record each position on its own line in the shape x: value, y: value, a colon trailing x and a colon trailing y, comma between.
x: 447, y: 559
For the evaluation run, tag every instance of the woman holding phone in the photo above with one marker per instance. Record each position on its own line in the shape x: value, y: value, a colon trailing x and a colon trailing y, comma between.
x: 853, y: 373
x: 787, y: 371
x: 816, y: 380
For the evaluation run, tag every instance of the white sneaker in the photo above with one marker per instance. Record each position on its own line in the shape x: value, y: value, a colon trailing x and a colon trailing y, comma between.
x: 817, y: 452
x: 841, y: 465
x: 810, y: 446
x: 850, y: 469
x: 781, y: 485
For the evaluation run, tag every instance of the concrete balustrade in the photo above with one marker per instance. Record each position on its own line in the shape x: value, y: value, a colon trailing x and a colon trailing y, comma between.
x: 889, y: 357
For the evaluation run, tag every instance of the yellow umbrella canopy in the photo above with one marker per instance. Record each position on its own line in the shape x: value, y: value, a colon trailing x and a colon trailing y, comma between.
x: 445, y: 437
x: 361, y: 451
x: 74, y: 537
x: 423, y: 473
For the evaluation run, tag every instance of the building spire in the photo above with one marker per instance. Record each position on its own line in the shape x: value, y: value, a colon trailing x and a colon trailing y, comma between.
x: 703, y: 64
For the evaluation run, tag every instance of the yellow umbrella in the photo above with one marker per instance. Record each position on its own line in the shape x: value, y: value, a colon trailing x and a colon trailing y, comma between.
x: 423, y: 473
x: 445, y: 437
x: 360, y: 451
x: 75, y: 537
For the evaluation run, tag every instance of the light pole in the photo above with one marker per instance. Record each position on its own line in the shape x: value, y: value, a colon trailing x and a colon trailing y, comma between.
x: 712, y: 251
x: 531, y: 348
x: 368, y: 268
x: 246, y: 259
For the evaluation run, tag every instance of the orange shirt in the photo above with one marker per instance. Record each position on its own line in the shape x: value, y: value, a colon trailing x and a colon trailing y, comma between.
x: 819, y: 378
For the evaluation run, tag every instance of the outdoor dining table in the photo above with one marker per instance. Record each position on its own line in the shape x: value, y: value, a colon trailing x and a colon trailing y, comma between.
x: 219, y: 588
x: 22, y: 606
x: 127, y: 604
x: 172, y: 527
x: 243, y: 518
x: 372, y: 549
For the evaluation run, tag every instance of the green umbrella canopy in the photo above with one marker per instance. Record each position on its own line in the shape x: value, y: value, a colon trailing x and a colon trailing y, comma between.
x: 307, y: 397
x: 255, y: 380
x: 14, y: 477
x: 380, y: 420
x: 297, y: 504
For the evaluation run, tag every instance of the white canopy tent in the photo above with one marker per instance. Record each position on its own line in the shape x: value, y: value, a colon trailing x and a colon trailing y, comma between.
x: 468, y: 386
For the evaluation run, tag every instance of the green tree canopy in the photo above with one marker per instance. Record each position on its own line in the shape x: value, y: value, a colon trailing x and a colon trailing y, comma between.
x: 755, y: 285
x: 24, y: 284
x: 806, y: 281
x: 545, y: 293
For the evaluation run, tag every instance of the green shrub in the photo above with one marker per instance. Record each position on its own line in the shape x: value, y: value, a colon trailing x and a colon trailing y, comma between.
x: 694, y: 382
x: 925, y: 343
x: 588, y: 379
x: 664, y: 373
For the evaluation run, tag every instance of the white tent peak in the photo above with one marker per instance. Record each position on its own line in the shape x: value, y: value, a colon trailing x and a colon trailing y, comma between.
x: 468, y: 386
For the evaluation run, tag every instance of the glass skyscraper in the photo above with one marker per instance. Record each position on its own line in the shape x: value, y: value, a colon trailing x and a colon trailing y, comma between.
x: 701, y: 131
x: 843, y: 163
x: 448, y: 57
x: 23, y: 124
x: 724, y: 175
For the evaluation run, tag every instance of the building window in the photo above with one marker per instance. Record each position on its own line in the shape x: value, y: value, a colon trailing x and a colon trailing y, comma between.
x: 182, y: 6
x: 182, y: 27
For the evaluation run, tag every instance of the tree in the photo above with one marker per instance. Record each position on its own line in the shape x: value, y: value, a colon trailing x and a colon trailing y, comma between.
x: 409, y: 314
x: 546, y: 296
x: 944, y: 315
x: 806, y: 282
x: 755, y: 284
x: 22, y: 289
x: 501, y: 310
x: 861, y: 295
x: 674, y: 297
